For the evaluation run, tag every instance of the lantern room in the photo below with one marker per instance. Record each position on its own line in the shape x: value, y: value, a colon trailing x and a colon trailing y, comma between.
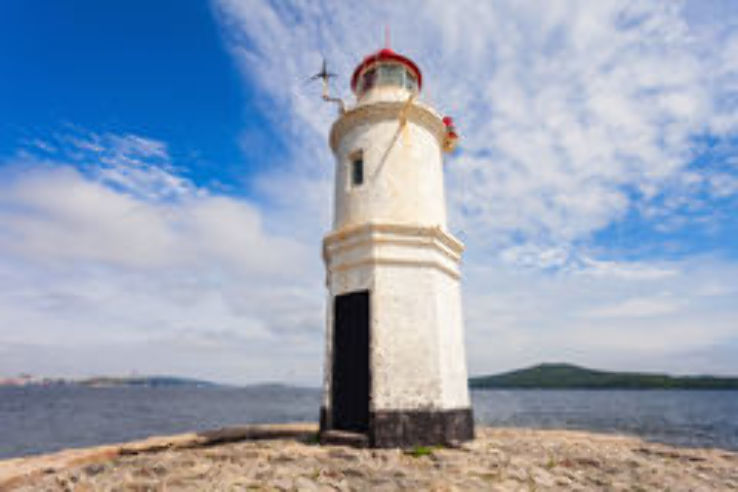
x: 386, y: 69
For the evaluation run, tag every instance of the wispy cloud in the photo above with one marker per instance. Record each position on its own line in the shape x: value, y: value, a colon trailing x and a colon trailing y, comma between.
x: 634, y: 308
x: 571, y: 115
x: 107, y: 245
x: 654, y: 316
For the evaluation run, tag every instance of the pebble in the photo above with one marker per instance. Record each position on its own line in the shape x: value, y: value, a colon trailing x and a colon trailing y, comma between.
x: 303, y: 484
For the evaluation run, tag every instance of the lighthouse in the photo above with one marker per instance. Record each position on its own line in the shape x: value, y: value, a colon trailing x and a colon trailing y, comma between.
x: 395, y: 367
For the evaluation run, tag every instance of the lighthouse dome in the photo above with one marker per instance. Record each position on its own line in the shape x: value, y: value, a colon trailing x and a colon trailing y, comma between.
x: 391, y: 72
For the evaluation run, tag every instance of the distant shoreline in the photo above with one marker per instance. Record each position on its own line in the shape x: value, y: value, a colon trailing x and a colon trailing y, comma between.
x: 547, y: 376
x: 109, y: 382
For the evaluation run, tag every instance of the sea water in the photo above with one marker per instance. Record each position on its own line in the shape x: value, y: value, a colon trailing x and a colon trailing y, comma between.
x: 44, y: 419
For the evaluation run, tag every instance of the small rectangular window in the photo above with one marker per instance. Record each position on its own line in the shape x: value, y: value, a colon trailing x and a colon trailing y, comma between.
x: 357, y: 169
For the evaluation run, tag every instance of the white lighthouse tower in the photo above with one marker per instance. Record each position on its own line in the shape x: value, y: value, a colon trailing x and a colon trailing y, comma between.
x: 395, y: 367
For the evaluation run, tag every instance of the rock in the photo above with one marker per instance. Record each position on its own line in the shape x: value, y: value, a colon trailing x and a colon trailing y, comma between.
x: 587, y: 462
x: 303, y: 484
x: 353, y: 472
x: 563, y: 481
x: 542, y: 477
x: 282, y: 458
x: 284, y: 484
x: 353, y: 439
x: 379, y: 481
x: 341, y: 454
x: 517, y: 474
x: 94, y: 469
x: 499, y: 459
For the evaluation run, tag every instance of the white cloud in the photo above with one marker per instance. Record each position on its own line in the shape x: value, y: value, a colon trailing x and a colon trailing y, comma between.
x: 634, y: 308
x: 647, y: 317
x: 58, y: 214
x: 626, y: 270
x: 154, y: 265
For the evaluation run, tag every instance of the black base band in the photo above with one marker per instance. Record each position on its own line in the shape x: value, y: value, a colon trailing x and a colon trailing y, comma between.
x: 404, y: 428
x: 407, y: 428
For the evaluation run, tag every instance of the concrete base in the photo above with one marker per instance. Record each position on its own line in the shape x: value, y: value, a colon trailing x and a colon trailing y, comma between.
x: 343, y: 438
x: 403, y: 428
x: 407, y: 428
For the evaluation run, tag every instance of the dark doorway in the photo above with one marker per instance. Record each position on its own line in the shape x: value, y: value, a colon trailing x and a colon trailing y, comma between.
x: 350, y: 385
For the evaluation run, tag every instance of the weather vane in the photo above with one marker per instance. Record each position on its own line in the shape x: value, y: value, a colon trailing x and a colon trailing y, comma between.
x: 324, y: 75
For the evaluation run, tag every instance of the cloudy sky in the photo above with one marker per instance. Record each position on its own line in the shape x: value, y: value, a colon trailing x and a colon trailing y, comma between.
x: 165, y: 180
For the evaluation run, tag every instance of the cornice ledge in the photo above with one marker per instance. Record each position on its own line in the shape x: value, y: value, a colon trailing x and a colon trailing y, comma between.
x: 387, y: 110
x: 360, y: 232
x: 386, y: 261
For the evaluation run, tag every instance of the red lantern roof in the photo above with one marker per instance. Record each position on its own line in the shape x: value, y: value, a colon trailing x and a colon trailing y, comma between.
x: 385, y: 54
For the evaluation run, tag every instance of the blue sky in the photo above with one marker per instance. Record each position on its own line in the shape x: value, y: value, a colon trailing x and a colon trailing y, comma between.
x: 149, y: 68
x: 165, y: 180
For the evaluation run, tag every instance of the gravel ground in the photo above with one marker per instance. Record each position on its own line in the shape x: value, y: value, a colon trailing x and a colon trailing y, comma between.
x: 499, y: 459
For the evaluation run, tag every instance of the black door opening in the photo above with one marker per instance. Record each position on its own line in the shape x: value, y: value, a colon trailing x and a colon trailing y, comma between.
x: 350, y: 381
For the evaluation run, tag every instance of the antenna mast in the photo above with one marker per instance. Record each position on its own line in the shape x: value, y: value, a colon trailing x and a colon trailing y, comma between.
x: 327, y: 97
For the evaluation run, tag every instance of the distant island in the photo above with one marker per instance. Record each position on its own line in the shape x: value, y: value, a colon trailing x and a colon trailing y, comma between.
x: 569, y: 376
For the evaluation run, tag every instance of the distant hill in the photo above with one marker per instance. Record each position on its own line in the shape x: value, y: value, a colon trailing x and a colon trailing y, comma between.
x: 147, y: 381
x: 568, y: 376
